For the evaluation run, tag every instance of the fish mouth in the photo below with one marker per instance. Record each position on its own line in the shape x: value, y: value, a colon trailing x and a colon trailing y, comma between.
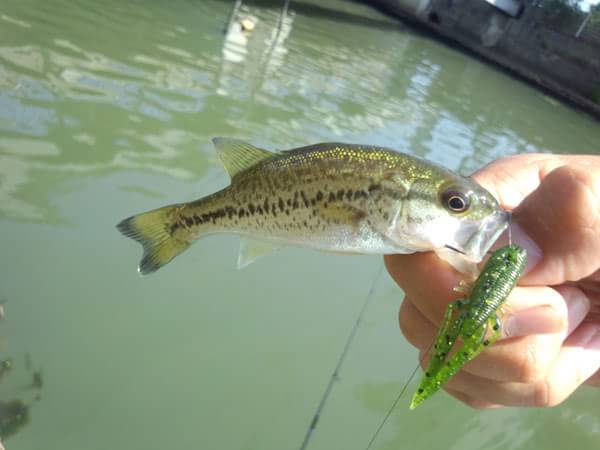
x: 478, y: 244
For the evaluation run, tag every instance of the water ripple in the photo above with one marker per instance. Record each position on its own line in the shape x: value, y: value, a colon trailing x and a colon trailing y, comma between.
x: 120, y: 87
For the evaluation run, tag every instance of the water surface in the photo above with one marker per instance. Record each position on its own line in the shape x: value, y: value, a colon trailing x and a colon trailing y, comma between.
x: 107, y: 109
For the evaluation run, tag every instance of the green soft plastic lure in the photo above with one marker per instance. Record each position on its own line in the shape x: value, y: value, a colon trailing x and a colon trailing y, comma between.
x: 468, y: 319
x: 471, y: 318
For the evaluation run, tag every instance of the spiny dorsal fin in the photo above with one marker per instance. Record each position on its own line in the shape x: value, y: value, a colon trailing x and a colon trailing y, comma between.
x: 238, y: 155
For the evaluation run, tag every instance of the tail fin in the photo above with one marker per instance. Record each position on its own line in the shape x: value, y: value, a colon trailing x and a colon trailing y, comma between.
x: 153, y: 230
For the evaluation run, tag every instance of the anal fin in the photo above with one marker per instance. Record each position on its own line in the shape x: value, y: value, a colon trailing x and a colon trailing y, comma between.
x: 252, y: 249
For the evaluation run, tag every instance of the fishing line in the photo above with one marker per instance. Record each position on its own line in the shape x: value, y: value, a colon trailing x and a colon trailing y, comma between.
x: 509, y: 228
x: 399, y: 396
x: 410, y: 378
x: 389, y: 413
x: 341, y: 359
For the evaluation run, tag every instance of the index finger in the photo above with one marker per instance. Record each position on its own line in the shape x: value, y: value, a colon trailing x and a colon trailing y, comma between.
x: 555, y: 201
x: 427, y: 279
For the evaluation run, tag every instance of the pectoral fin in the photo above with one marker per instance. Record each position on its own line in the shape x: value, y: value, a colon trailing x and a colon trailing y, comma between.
x: 252, y: 249
x: 395, y: 182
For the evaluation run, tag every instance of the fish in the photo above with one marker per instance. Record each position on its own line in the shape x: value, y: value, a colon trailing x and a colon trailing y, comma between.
x: 335, y: 197
x: 476, y: 316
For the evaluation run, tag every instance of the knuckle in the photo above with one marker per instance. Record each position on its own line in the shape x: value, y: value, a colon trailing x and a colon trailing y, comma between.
x: 580, y: 185
x: 541, y: 394
x: 587, y: 180
x: 530, y: 363
x: 546, y: 394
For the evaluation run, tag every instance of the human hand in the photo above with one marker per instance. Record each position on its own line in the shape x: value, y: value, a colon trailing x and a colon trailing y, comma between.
x: 551, y: 326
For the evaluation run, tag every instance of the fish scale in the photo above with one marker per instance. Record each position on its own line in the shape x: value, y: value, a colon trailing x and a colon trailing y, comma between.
x: 335, y: 197
x: 284, y: 196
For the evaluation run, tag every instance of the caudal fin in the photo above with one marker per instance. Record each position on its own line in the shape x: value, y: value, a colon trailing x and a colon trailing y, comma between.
x: 153, y: 230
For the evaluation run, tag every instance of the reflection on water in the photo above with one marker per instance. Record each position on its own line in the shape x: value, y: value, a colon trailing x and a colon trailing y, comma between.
x: 14, y: 415
x: 17, y: 396
x: 107, y: 108
x: 75, y: 103
x: 465, y: 430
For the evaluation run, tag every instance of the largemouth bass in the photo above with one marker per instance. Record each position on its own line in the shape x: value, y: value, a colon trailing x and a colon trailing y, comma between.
x: 330, y: 196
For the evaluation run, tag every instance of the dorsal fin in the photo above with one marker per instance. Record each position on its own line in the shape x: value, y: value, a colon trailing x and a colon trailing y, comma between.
x: 238, y: 155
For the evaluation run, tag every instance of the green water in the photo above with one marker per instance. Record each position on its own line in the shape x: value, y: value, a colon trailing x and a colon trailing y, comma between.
x: 107, y: 109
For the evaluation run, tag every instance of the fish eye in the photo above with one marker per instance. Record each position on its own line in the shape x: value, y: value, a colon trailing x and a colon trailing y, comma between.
x: 455, y: 201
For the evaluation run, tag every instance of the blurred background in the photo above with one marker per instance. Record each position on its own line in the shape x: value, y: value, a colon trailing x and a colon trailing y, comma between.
x: 107, y: 109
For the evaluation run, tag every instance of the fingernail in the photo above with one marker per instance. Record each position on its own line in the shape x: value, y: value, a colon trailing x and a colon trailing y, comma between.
x: 511, y: 326
x: 520, y: 238
x: 548, y: 319
x: 594, y: 338
x: 537, y: 320
x: 578, y: 306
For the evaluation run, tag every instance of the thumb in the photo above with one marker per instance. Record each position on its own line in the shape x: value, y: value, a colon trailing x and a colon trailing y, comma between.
x: 562, y: 217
